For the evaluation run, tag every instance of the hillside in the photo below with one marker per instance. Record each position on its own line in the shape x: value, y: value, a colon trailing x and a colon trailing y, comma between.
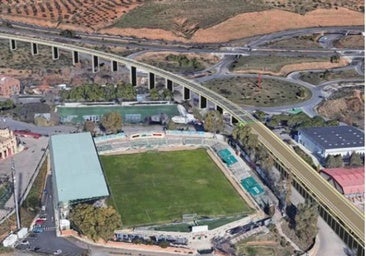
x: 187, y: 21
x: 347, y: 105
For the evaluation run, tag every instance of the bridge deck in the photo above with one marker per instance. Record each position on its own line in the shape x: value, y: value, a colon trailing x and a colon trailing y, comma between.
x: 352, y: 217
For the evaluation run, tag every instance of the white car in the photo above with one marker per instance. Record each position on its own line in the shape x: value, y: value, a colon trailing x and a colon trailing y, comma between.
x: 57, y: 252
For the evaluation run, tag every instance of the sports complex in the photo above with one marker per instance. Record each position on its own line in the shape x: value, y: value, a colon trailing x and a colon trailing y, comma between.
x: 152, y: 179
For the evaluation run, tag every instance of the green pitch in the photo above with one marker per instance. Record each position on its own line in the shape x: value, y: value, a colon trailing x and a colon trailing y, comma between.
x: 158, y: 187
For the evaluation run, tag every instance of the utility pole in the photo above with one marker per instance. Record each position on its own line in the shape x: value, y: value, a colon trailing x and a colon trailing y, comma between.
x: 259, y: 81
x: 13, y: 172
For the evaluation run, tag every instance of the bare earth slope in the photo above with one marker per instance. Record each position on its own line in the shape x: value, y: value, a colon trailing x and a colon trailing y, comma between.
x: 255, y: 23
x: 349, y: 108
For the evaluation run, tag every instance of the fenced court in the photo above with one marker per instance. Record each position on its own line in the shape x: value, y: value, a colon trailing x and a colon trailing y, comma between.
x: 159, y: 187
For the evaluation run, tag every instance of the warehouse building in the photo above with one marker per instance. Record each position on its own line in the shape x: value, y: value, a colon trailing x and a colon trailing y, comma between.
x: 77, y: 175
x: 333, y: 140
x: 348, y: 181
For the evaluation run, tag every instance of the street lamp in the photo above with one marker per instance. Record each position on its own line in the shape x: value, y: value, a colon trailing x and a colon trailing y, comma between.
x: 15, y: 192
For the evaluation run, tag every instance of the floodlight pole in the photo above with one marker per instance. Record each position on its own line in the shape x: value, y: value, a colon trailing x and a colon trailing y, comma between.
x: 13, y: 172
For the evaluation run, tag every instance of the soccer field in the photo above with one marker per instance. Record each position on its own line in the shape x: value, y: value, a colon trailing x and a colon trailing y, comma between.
x: 158, y: 187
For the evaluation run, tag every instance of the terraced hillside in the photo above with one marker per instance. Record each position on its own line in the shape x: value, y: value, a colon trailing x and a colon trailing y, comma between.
x: 189, y: 20
x: 86, y: 13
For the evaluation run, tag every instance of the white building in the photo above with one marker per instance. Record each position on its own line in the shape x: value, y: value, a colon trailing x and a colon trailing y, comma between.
x: 333, y: 140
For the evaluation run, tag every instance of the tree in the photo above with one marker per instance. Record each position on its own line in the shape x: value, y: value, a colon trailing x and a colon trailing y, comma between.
x: 339, y: 161
x: 95, y: 222
x: 306, y: 220
x: 167, y: 94
x: 288, y: 188
x: 5, y: 105
x: 334, y: 161
x: 68, y: 33
x: 355, y: 159
x: 112, y: 122
x: 154, y: 94
x: 335, y: 58
x: 126, y: 91
x: 213, y: 121
x: 89, y: 126
x: 243, y: 133
x: 260, y: 115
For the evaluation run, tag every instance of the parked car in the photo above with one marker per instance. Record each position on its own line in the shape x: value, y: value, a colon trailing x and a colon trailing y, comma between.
x: 57, y: 252
x: 37, y: 229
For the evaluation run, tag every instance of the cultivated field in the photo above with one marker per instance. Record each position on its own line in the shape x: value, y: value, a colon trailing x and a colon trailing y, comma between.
x: 158, y: 187
x: 245, y: 91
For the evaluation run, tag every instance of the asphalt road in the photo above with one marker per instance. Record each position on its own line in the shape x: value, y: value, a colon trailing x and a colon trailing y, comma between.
x: 47, y: 241
x: 43, y: 130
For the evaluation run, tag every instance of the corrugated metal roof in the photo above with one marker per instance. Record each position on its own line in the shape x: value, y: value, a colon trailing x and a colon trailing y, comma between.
x: 335, y: 136
x: 77, y: 171
x: 352, y: 180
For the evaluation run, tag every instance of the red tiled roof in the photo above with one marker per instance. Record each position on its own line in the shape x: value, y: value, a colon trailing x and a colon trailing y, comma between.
x: 352, y: 180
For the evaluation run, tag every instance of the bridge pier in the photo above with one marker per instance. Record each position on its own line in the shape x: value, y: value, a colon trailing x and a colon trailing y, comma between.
x: 151, y: 80
x: 169, y: 84
x: 114, y: 66
x: 219, y: 109
x: 186, y: 93
x: 34, y: 48
x: 203, y: 102
x: 12, y: 44
x: 55, y: 53
x: 75, y: 57
x: 233, y: 120
x: 337, y: 225
x: 133, y: 76
x: 95, y: 63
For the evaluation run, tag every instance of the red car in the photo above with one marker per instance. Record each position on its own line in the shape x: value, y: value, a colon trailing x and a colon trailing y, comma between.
x: 40, y: 221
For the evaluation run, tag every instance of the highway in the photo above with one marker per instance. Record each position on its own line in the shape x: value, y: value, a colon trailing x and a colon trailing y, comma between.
x: 325, y: 194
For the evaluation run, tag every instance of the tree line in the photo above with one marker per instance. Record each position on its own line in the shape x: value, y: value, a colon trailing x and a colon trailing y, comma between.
x: 111, y: 122
x: 184, y: 61
x: 6, y: 105
x: 336, y: 161
x: 95, y: 92
x: 295, y: 121
x: 304, y: 223
x: 95, y: 222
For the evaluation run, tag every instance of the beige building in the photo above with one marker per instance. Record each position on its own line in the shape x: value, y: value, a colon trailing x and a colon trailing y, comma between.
x: 8, y: 143
x: 9, y: 86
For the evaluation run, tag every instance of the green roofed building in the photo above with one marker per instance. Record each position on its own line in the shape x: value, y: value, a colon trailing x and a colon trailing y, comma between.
x: 251, y: 185
x: 77, y: 175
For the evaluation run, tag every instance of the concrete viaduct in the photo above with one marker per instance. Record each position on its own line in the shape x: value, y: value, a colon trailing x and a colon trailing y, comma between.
x: 345, y: 219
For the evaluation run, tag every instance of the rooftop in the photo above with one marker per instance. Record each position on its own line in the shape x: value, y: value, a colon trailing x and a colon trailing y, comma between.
x: 335, y: 136
x: 352, y: 180
x: 77, y: 171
